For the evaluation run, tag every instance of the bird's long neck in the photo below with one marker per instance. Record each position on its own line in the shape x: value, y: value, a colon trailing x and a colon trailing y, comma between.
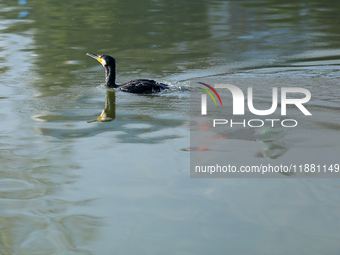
x: 110, y: 76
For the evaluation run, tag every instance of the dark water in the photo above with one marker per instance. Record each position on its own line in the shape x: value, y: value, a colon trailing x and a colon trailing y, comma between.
x: 120, y: 184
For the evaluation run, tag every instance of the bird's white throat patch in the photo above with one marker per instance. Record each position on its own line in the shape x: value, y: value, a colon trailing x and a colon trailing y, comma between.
x: 103, y: 62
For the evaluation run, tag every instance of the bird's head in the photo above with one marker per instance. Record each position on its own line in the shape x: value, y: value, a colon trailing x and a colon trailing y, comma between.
x: 105, y: 60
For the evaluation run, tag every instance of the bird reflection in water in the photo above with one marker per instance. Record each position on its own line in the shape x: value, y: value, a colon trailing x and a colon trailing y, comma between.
x: 109, y: 112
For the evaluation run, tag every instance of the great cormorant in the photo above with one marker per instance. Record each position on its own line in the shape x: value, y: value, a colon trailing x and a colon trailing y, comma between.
x: 140, y: 86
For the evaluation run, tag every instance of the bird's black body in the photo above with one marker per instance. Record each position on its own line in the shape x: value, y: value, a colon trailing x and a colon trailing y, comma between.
x: 139, y: 86
x: 142, y: 86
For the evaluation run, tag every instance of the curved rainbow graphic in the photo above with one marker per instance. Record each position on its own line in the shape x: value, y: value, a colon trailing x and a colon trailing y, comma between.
x: 209, y: 93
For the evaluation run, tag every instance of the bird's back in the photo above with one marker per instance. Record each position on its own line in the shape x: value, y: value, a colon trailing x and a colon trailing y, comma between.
x: 142, y: 86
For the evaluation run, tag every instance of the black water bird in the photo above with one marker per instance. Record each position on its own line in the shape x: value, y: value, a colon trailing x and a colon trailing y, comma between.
x: 140, y: 86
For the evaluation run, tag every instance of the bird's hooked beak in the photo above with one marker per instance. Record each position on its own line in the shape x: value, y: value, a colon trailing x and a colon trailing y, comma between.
x: 95, y: 56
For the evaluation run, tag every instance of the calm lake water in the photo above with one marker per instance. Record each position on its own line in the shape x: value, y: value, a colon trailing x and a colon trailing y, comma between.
x: 71, y: 183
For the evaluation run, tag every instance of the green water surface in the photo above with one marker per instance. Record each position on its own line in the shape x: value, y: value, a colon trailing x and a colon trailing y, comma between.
x: 71, y: 183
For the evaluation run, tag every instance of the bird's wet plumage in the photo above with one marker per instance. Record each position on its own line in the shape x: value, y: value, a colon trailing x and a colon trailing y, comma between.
x: 142, y: 86
x: 139, y: 86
